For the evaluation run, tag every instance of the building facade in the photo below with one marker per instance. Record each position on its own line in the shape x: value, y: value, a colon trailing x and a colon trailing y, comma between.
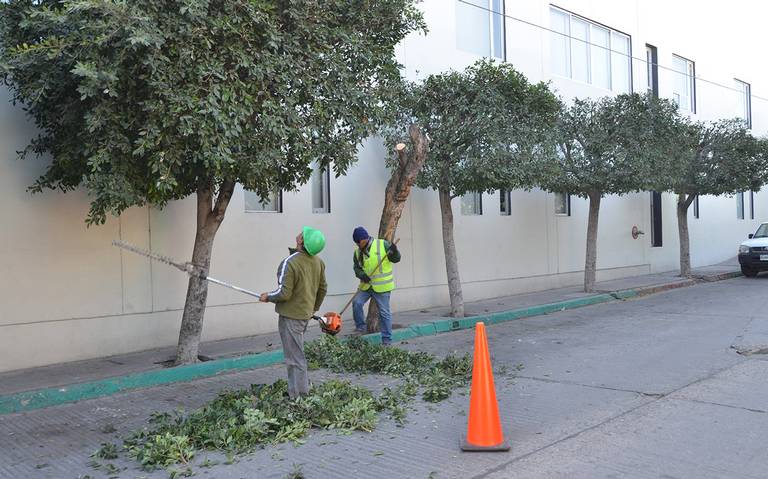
x: 67, y: 294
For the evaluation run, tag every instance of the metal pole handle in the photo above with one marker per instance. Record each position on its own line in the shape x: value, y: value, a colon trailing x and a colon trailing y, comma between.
x: 231, y: 286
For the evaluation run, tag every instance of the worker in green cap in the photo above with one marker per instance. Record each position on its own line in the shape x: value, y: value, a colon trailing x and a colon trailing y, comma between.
x: 301, y: 288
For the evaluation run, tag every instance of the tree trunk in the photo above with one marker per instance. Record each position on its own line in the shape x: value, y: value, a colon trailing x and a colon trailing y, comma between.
x: 683, y: 203
x: 395, y: 197
x: 209, y: 218
x: 590, y: 266
x: 451, y: 261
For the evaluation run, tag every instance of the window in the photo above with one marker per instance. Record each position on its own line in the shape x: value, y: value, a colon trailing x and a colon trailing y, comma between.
x: 656, y: 224
x: 505, y: 204
x: 271, y: 204
x: 560, y: 43
x: 580, y: 50
x: 684, y: 91
x: 589, y: 52
x: 621, y: 63
x: 321, y: 189
x: 740, y: 205
x: 480, y: 27
x: 696, y: 207
x: 751, y: 205
x: 472, y: 203
x: 563, y: 204
x: 652, y: 70
x: 745, y: 101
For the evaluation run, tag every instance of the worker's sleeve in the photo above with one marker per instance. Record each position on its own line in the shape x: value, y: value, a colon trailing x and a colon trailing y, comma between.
x: 322, y: 288
x: 285, y: 283
x: 359, y: 271
x: 394, y: 252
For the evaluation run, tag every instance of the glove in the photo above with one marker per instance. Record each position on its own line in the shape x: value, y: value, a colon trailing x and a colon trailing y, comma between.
x: 392, y: 250
x: 365, y: 278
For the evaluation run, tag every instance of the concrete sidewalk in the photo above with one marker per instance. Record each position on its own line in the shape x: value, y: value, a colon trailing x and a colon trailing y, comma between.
x: 66, y: 374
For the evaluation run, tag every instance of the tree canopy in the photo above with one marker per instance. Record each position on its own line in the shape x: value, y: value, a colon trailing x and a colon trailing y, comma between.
x: 612, y: 145
x: 715, y: 158
x: 147, y: 102
x: 485, y: 125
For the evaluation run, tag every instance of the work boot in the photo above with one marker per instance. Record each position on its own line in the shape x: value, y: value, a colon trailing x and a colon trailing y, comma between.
x: 359, y: 332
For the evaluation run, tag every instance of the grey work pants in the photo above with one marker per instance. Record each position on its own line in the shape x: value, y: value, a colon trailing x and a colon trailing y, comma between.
x: 292, y: 336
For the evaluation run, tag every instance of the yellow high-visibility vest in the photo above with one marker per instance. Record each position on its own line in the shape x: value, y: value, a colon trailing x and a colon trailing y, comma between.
x: 382, y: 279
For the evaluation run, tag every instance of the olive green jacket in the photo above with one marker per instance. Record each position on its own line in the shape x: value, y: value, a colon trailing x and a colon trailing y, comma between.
x: 301, y: 286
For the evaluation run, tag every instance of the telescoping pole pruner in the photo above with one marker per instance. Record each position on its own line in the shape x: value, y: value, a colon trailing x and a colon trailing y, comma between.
x: 186, y: 267
x: 329, y: 323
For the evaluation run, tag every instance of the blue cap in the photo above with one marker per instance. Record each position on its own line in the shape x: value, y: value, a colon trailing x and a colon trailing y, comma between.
x: 359, y: 234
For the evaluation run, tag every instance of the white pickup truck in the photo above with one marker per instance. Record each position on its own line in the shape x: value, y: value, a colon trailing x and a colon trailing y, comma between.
x: 753, y: 253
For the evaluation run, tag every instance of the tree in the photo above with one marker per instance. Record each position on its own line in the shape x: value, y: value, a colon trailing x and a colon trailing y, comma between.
x: 405, y: 170
x: 714, y: 158
x: 146, y: 102
x: 484, y: 124
x: 607, y: 146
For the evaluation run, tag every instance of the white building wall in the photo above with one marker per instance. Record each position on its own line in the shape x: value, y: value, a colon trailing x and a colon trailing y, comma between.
x: 67, y: 294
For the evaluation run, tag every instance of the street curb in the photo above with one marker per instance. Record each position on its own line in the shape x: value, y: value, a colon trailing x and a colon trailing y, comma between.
x: 42, y: 398
x: 666, y: 287
x: 718, y: 277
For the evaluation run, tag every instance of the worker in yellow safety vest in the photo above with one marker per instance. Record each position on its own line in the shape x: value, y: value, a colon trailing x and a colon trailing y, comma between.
x: 372, y: 262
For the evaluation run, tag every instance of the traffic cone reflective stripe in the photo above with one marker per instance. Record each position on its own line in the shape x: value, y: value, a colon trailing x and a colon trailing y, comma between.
x: 484, y: 431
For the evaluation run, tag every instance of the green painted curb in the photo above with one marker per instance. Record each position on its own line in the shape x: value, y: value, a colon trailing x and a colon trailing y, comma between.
x: 42, y: 398
x: 626, y: 294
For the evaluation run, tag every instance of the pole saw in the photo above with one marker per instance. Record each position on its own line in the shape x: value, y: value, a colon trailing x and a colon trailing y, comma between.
x: 330, y: 323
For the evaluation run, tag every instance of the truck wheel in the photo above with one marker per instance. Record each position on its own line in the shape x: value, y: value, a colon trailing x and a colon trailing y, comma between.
x: 748, y: 272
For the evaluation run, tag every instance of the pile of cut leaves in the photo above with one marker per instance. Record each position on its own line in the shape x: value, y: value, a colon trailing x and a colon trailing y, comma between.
x: 243, y: 420
x: 438, y: 378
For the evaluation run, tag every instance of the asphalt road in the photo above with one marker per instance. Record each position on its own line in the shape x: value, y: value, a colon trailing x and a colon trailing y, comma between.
x: 673, y: 385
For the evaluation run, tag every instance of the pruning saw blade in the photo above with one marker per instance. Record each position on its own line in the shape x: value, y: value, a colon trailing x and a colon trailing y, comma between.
x: 187, y: 267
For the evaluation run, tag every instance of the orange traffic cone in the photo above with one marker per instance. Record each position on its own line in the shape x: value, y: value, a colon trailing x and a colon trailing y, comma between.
x: 484, y: 428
